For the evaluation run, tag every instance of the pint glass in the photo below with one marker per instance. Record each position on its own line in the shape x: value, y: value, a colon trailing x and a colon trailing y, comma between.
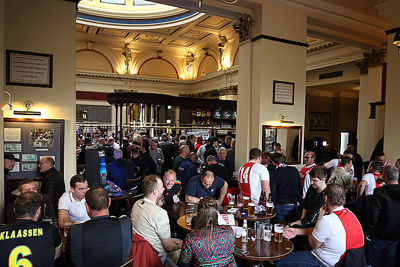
x: 246, y: 201
x: 269, y: 207
x: 278, y: 228
x: 251, y: 209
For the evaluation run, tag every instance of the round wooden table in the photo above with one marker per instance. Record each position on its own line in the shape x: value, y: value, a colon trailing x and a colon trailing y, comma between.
x: 176, y: 210
x: 260, y: 250
x: 182, y: 224
x: 238, y: 215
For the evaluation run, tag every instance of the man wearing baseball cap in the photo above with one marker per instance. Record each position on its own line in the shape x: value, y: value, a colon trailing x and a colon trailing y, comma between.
x: 9, y: 162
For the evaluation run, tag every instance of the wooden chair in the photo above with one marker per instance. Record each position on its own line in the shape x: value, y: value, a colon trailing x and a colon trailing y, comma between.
x: 130, y: 201
x: 128, y: 263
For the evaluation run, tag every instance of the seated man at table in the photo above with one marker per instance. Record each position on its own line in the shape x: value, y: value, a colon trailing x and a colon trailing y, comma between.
x: 151, y: 221
x: 71, y: 206
x: 121, y: 169
x: 90, y: 241
x: 314, y: 199
x: 28, y: 242
x: 29, y: 185
x: 206, y: 185
x: 172, y: 187
x: 337, y: 230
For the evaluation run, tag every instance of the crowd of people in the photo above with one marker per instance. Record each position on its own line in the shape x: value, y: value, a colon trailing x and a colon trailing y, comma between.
x: 332, y: 211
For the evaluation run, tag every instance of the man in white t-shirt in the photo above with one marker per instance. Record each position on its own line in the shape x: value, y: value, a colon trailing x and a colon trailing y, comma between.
x: 254, y: 177
x: 71, y: 205
x: 337, y: 230
x: 368, y: 182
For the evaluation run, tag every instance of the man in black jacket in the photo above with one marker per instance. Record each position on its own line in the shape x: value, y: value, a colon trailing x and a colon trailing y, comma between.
x: 103, y: 240
x: 383, y: 220
x: 286, y: 189
x: 9, y: 162
x: 53, y: 184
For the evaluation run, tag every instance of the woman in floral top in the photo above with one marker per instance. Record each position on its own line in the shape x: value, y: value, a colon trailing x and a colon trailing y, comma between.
x: 209, y: 244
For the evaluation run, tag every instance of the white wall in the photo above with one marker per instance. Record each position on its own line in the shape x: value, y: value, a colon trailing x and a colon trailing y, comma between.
x: 47, y: 26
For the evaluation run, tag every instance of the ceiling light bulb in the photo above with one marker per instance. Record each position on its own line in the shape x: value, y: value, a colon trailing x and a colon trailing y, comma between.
x: 6, y: 107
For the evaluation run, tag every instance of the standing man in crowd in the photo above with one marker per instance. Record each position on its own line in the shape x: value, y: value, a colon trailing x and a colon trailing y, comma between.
x: 309, y: 158
x: 191, y: 139
x: 286, y: 189
x: 156, y: 155
x: 71, y: 206
x: 28, y: 185
x: 90, y: 241
x: 342, y: 174
x: 357, y: 161
x: 211, y: 149
x: 113, y: 144
x: 9, y: 162
x: 53, y: 184
x: 30, y: 242
x: 383, y: 220
x: 380, y: 157
x: 254, y: 177
x: 151, y: 221
x: 217, y: 168
x: 370, y: 180
x: 337, y: 230
x: 227, y: 142
x: 335, y: 163
x: 183, y: 153
x: 223, y: 159
x: 187, y: 169
x: 168, y: 149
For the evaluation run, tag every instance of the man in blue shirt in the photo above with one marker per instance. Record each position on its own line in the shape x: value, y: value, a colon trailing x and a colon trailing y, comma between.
x: 187, y: 169
x: 121, y: 169
x: 206, y: 185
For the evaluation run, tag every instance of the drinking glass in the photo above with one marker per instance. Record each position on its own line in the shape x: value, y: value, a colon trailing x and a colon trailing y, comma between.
x: 246, y: 201
x: 251, y: 209
x: 259, y: 230
x: 278, y: 228
x: 269, y: 207
x: 189, y: 216
x: 267, y: 232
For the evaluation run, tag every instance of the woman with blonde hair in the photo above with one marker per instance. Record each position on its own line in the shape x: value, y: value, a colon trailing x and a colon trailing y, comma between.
x: 209, y: 244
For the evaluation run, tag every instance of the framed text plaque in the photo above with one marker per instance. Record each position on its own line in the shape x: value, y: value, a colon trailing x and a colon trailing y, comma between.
x: 29, y: 69
x: 283, y: 93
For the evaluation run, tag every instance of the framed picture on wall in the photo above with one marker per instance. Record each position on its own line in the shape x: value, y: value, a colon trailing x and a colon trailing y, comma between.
x: 29, y: 69
x: 283, y: 93
x: 320, y: 121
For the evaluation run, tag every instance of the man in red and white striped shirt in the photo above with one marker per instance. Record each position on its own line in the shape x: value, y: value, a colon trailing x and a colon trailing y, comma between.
x: 254, y: 177
x: 309, y: 159
x: 337, y: 230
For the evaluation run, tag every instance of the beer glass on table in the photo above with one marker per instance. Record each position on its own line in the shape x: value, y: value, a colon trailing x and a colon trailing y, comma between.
x: 251, y: 209
x: 269, y: 207
x: 246, y: 201
x: 278, y: 228
x: 189, y: 216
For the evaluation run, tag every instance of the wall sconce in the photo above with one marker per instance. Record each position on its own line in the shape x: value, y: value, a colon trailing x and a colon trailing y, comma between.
x: 28, y: 105
x: 8, y: 106
x: 284, y: 119
x: 396, y: 40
